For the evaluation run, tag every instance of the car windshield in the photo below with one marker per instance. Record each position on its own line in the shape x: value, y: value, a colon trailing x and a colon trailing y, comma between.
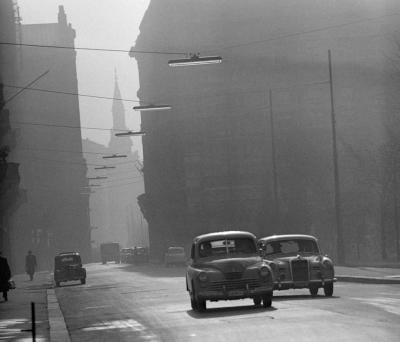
x: 291, y: 246
x: 65, y: 260
x: 222, y: 248
x: 175, y: 250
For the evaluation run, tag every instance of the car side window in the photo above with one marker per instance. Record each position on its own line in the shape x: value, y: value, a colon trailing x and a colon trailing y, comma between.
x: 192, y: 252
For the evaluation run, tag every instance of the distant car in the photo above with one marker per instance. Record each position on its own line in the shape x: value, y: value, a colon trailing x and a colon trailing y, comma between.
x: 175, y: 256
x: 297, y: 262
x: 126, y: 255
x: 68, y: 267
x: 226, y: 265
x: 140, y: 254
x: 110, y: 252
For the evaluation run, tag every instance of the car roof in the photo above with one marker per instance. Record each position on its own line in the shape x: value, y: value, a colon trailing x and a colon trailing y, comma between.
x: 67, y: 253
x: 223, y: 235
x: 287, y: 236
x: 175, y: 247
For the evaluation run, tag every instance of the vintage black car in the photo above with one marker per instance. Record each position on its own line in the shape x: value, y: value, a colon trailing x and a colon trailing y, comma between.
x: 140, y: 254
x: 127, y: 255
x: 297, y: 262
x: 226, y: 265
x: 68, y: 267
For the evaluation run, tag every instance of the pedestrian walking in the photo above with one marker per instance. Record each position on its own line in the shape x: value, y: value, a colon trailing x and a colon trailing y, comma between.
x: 5, y: 276
x: 30, y: 264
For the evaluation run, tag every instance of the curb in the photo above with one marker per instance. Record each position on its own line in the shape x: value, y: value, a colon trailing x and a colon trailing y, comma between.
x: 58, y: 329
x: 367, y: 280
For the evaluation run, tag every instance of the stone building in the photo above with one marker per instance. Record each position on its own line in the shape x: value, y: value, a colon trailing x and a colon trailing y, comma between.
x: 208, y: 162
x: 55, y: 217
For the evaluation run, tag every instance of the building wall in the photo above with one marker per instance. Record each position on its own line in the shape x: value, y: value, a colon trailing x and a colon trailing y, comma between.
x: 49, y: 148
x: 208, y: 162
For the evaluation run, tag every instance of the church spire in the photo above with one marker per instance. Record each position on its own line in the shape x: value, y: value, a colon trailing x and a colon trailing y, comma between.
x: 118, y: 112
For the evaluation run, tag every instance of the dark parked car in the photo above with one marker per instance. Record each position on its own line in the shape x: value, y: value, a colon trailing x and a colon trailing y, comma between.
x: 140, y: 254
x: 297, y: 262
x: 68, y: 267
x: 226, y: 265
x: 126, y: 255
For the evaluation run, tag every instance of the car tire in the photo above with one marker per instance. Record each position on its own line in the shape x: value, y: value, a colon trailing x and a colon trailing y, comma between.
x: 257, y: 301
x: 201, y: 305
x: 313, y: 291
x: 267, y: 300
x: 83, y: 281
x: 328, y: 290
x: 57, y: 284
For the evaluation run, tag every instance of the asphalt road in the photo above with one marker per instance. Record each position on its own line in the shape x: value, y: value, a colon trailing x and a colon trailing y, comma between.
x: 150, y: 303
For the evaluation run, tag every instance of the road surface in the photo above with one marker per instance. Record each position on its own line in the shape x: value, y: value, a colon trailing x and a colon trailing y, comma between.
x: 150, y: 303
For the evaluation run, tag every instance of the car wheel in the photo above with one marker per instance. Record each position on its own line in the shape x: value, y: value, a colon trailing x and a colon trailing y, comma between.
x: 57, y: 284
x: 257, y: 301
x: 313, y: 290
x: 328, y: 290
x: 83, y: 281
x: 201, y: 305
x: 267, y: 300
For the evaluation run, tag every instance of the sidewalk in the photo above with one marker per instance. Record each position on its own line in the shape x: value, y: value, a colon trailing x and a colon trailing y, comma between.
x: 369, y: 275
x: 15, y: 315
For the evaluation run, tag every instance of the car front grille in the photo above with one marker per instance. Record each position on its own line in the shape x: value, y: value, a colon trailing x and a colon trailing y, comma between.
x: 233, y: 275
x: 238, y: 284
x: 300, y: 270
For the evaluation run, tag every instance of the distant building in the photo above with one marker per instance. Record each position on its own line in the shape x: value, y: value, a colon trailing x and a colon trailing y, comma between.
x: 114, y: 211
x: 55, y: 217
x: 208, y: 161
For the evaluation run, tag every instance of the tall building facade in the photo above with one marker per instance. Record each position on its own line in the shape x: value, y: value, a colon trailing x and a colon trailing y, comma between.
x: 208, y: 163
x: 55, y: 217
x: 11, y: 196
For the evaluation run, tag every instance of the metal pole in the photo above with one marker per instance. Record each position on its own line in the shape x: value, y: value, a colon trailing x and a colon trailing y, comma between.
x: 339, y: 233
x: 33, y: 321
x: 274, y: 169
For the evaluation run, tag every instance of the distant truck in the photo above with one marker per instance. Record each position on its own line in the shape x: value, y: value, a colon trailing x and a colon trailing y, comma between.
x: 110, y: 252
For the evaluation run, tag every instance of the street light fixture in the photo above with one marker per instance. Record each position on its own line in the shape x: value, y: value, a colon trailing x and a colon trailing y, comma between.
x: 115, y: 156
x: 129, y: 133
x: 152, y: 107
x: 195, y: 59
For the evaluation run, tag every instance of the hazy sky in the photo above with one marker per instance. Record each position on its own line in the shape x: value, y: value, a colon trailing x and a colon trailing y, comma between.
x: 112, y: 24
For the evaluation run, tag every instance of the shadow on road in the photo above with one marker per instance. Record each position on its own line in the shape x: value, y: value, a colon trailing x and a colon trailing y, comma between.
x: 229, y: 311
x: 152, y: 270
x: 281, y: 298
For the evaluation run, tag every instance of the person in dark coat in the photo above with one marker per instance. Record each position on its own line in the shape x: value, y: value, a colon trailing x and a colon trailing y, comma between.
x: 30, y: 264
x: 5, y: 276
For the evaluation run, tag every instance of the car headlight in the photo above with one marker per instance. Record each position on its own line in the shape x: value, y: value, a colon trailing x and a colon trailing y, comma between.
x: 327, y: 264
x: 264, y: 271
x: 203, y: 277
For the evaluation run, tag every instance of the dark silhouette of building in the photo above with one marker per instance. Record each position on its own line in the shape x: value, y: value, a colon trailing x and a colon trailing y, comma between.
x: 55, y: 217
x: 208, y: 161
x: 11, y: 195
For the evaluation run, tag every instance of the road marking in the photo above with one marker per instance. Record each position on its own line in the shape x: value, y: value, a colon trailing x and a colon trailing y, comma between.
x: 128, y: 324
x: 391, y: 305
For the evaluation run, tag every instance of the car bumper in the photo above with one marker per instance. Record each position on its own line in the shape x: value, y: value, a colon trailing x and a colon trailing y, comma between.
x: 289, y: 284
x: 234, y: 294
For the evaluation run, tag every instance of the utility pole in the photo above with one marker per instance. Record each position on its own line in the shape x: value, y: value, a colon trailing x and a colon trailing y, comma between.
x: 340, y: 251
x: 274, y: 169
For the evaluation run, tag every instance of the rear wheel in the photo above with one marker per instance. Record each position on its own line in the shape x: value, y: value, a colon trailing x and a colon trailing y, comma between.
x: 57, y: 284
x: 313, y: 290
x: 267, y: 300
x: 328, y: 290
x: 83, y: 281
x: 257, y: 301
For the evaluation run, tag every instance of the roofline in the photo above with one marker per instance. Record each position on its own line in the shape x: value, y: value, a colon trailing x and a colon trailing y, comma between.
x: 288, y: 236
x: 223, y: 234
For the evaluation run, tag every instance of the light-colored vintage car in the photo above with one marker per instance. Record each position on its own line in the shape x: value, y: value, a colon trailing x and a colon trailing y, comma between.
x: 227, y: 265
x: 297, y: 262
